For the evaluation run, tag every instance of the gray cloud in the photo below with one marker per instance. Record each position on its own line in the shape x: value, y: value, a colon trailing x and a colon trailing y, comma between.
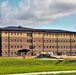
x: 35, y: 12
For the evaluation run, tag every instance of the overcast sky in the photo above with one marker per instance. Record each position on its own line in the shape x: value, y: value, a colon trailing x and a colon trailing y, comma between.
x: 50, y: 14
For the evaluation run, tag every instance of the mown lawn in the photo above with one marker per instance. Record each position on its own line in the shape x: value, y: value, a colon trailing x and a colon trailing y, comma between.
x: 22, y: 65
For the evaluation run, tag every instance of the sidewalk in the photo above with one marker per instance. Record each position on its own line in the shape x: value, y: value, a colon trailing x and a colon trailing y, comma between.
x: 52, y: 72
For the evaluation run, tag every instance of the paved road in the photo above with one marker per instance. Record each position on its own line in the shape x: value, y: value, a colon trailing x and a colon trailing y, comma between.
x: 52, y: 72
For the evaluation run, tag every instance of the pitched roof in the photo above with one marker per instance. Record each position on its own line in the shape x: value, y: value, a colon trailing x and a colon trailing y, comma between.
x: 15, y: 28
x: 19, y: 28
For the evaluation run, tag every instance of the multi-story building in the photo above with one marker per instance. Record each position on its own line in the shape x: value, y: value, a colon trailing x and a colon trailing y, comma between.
x: 17, y: 41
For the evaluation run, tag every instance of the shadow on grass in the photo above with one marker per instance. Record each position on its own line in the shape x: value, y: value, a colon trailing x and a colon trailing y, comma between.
x: 58, y: 62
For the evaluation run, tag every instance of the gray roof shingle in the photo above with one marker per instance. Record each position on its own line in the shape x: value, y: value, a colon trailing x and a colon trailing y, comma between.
x: 19, y: 28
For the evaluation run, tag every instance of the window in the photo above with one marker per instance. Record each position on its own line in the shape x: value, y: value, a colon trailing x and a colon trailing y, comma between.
x: 72, y: 35
x: 47, y: 40
x: 58, y: 40
x: 55, y: 40
x: 66, y: 40
x: 5, y: 32
x: 67, y: 35
x: 6, y: 53
x: 34, y: 33
x: 34, y: 40
x: 53, y: 34
x: 63, y: 40
x: 15, y: 54
x: 52, y: 41
x: 52, y: 46
x: 11, y: 46
x: 44, y: 46
x: 39, y: 46
x: 74, y: 46
x: 58, y: 46
x: 64, y: 35
x: 14, y: 33
x: 6, y: 46
x: 11, y: 33
x: 66, y: 52
x: 39, y: 40
x: 20, y: 40
x: 33, y: 47
x: 39, y: 33
x: 14, y: 40
x: 17, y: 46
x: 30, y: 47
x: 44, y: 40
x: 17, y: 33
x: 69, y: 52
x: 45, y: 34
x: 14, y: 46
x: 64, y: 46
x: 61, y: 35
x: 50, y: 34
x: 17, y: 40
x: 74, y: 40
x: 20, y: 46
x: 74, y: 52
x: 11, y: 53
x: 29, y: 34
x: 55, y: 46
x: 11, y: 40
x: 20, y: 33
x: 47, y: 46
x: 69, y: 46
x: 29, y: 40
x: 5, y: 39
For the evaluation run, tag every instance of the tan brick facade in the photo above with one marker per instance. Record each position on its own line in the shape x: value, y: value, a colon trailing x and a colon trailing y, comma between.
x: 37, y: 41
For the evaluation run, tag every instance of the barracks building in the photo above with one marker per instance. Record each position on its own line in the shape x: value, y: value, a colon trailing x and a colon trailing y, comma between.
x: 18, y: 41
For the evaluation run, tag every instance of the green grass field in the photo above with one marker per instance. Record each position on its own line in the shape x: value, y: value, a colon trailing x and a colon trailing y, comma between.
x: 22, y: 65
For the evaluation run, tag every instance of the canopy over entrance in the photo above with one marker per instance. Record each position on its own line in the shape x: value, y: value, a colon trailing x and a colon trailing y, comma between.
x: 22, y: 52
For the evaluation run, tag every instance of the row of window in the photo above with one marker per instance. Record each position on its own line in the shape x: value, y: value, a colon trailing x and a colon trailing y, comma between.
x: 16, y: 40
x: 63, y: 41
x: 16, y: 46
x: 12, y: 54
x: 15, y: 53
x: 59, y: 46
x: 30, y: 40
x: 61, y: 35
x: 33, y: 47
x: 14, y: 33
x: 45, y: 34
x: 64, y: 52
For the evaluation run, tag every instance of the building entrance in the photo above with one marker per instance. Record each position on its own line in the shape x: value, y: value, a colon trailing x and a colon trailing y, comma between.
x: 22, y: 52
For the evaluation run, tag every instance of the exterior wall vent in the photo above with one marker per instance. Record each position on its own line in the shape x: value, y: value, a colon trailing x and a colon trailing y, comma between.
x: 19, y: 26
